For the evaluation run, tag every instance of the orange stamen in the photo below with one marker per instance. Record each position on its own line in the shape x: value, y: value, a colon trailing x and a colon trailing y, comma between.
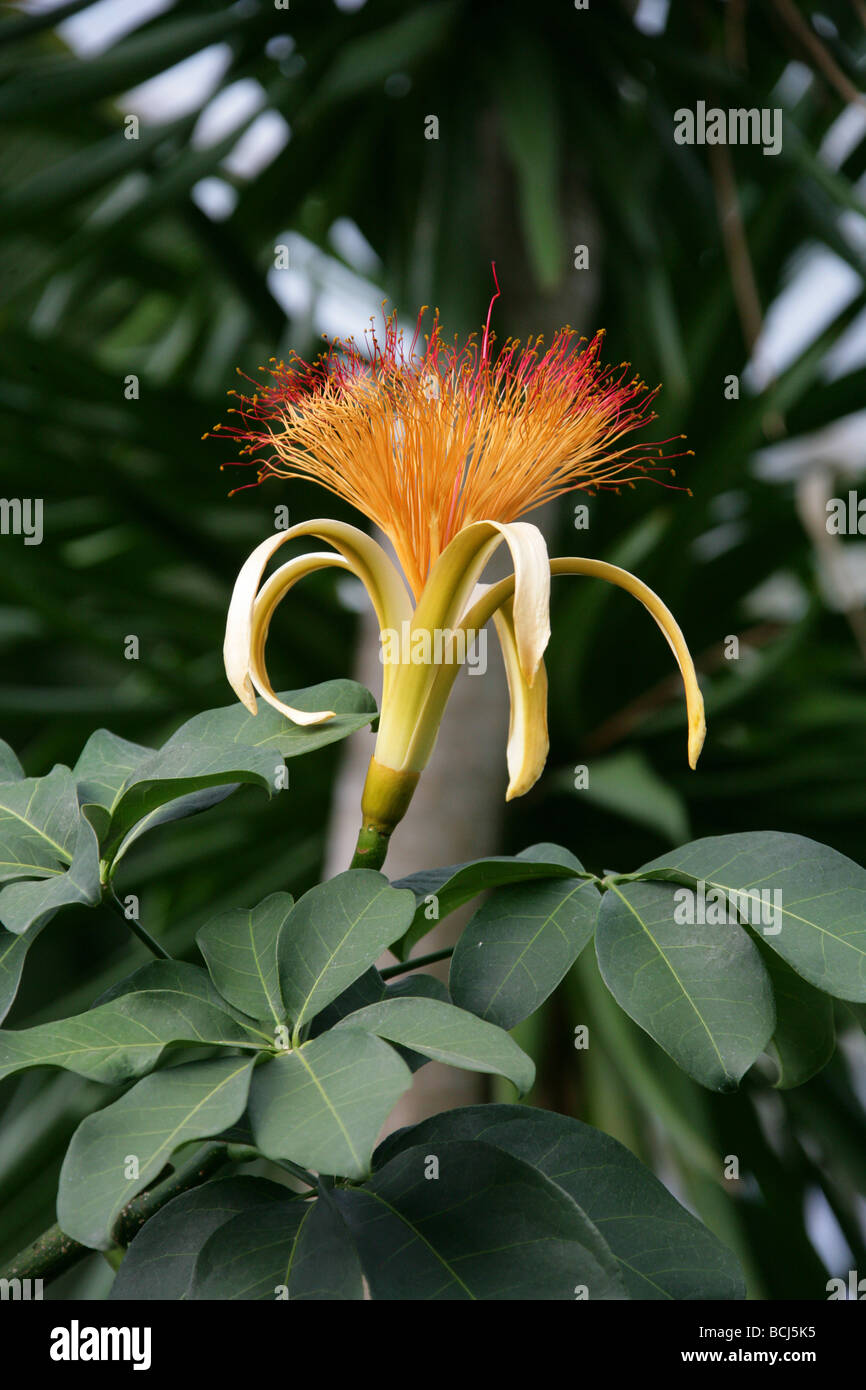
x: 424, y: 443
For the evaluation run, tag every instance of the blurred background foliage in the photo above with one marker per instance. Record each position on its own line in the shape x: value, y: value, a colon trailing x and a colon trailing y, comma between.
x: 263, y: 127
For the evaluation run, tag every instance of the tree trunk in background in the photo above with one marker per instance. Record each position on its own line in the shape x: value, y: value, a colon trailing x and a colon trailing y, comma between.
x: 458, y: 808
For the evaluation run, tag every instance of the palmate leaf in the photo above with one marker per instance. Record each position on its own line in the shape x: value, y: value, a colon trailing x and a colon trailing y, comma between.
x: 294, y: 1250
x: 38, y: 825
x: 13, y: 953
x: 662, y: 1250
x: 10, y: 768
x: 240, y: 948
x: 440, y: 891
x: 161, y: 1258
x: 700, y: 991
x: 333, y: 934
x: 520, y: 943
x: 119, y: 1150
x: 489, y: 1226
x: 446, y: 1034
x: 821, y: 904
x: 28, y: 904
x: 127, y: 1035
x: 229, y: 746
x: 613, y: 1226
x: 49, y: 858
x: 369, y: 988
x: 419, y: 986
x: 50, y: 852
x: 104, y: 764
x: 323, y: 1104
x: 804, y: 1038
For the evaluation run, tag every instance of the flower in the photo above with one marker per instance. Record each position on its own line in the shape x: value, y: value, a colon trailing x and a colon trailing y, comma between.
x: 444, y: 448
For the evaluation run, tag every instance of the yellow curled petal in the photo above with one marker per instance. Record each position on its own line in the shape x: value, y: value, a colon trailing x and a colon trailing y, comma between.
x: 599, y: 569
x: 238, y: 638
x: 484, y: 608
x: 452, y: 579
x: 531, y: 611
x: 407, y: 729
x: 366, y: 558
x: 268, y: 599
x: 528, y: 742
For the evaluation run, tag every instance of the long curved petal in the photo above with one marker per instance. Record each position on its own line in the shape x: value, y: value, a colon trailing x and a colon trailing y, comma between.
x: 483, y: 609
x: 528, y: 742
x: 455, y: 574
x: 367, y: 559
x: 267, y: 600
x: 408, y: 726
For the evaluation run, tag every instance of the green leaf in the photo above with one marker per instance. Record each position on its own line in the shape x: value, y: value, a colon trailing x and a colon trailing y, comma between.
x: 105, y: 763
x: 365, y: 62
x: 805, y: 1035
x: 161, y: 1259
x: 174, y: 978
x: 65, y: 83
x: 417, y: 986
x: 700, y: 991
x: 10, y: 768
x: 179, y: 809
x: 50, y: 191
x: 240, y: 948
x: 530, y: 123
x: 139, y: 1133
x: 440, y: 891
x: 446, y: 1034
x: 230, y: 746
x: 663, y: 1251
x: 821, y: 899
x: 488, y: 1227
x: 125, y: 1037
x: 296, y: 1250
x: 38, y: 825
x: 13, y: 950
x: 333, y: 933
x: 324, y: 1104
x: 369, y: 988
x: 33, y: 902
x: 520, y: 944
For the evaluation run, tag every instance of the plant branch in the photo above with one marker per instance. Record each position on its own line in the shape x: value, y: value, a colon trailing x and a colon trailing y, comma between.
x: 52, y: 1253
x: 137, y: 929
x: 371, y: 848
x: 391, y: 970
x: 822, y: 57
x: 302, y: 1174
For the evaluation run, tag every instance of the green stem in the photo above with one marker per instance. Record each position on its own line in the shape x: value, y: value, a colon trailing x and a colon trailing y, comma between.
x: 391, y: 970
x: 53, y: 1252
x: 297, y: 1171
x: 50, y: 1254
x: 371, y: 848
x: 137, y: 929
